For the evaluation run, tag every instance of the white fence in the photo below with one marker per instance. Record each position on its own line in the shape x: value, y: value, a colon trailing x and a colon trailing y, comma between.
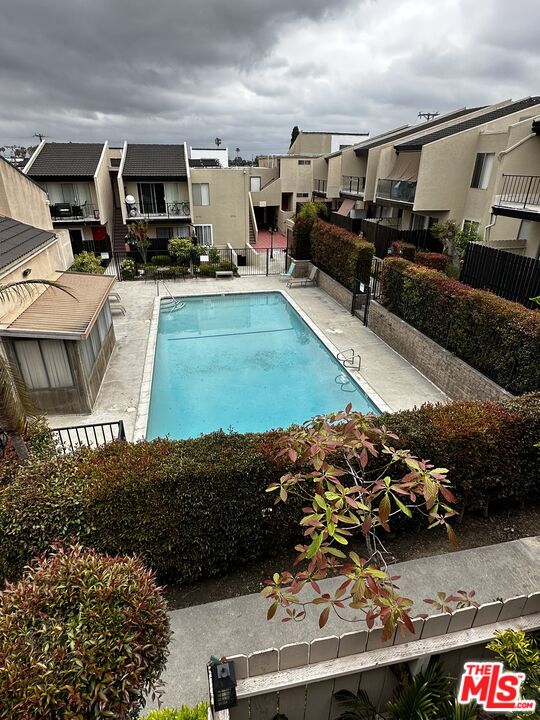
x: 299, y: 680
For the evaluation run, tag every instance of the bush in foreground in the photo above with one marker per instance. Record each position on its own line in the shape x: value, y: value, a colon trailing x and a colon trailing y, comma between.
x: 432, y: 260
x: 81, y: 635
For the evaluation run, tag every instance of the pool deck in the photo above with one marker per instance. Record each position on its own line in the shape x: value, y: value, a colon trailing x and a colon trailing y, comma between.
x: 398, y: 383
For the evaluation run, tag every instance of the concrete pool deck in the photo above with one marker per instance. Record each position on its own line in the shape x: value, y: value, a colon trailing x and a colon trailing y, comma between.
x: 398, y: 383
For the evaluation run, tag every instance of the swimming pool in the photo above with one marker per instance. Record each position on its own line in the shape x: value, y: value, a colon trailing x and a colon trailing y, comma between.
x: 246, y: 362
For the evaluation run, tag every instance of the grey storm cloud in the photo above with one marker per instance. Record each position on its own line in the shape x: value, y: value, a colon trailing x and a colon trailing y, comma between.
x: 248, y: 70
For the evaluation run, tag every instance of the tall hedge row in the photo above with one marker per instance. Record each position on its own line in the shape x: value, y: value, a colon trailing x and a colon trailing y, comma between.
x: 341, y: 254
x: 198, y: 508
x: 497, y: 337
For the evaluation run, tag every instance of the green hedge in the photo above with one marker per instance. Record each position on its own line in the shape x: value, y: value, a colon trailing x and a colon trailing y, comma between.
x: 198, y: 508
x: 341, y: 254
x: 497, y: 337
x: 301, y: 244
x: 199, y: 712
x: 191, y: 509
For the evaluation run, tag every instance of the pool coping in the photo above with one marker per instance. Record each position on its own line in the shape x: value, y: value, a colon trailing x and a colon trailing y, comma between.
x: 143, y: 406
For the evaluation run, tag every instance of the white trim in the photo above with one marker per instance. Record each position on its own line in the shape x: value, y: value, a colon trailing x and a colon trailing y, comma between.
x: 32, y: 159
x: 196, y: 225
x: 143, y: 406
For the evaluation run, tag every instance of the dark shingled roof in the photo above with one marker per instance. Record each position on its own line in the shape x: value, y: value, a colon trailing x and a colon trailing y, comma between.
x: 18, y: 239
x: 66, y: 160
x: 411, y: 130
x: 204, y: 163
x: 417, y: 143
x: 154, y: 161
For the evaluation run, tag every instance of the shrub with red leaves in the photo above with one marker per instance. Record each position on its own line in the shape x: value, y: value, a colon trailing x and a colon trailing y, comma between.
x: 432, y: 260
x: 341, y: 254
x: 82, y: 635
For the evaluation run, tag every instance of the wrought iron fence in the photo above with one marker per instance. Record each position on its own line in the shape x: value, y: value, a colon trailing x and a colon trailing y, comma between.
x: 69, y: 439
x: 520, y: 190
x: 178, y: 210
x: 73, y: 211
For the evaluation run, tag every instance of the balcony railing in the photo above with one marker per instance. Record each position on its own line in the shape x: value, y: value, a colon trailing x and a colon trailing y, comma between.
x: 319, y: 186
x: 71, y: 211
x: 178, y: 210
x: 520, y: 191
x: 399, y: 190
x: 352, y: 184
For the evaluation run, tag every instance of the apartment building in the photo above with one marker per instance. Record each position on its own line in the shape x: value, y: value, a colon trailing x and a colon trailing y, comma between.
x: 321, y: 143
x: 60, y: 342
x: 449, y: 168
x: 76, y: 178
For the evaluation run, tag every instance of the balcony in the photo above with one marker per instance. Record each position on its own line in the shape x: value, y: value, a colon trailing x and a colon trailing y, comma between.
x: 177, y: 210
x: 319, y: 187
x: 352, y: 185
x: 402, y: 191
x: 520, y: 197
x: 69, y: 212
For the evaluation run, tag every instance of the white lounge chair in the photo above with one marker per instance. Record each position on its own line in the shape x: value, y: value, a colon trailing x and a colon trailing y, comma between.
x: 303, y: 282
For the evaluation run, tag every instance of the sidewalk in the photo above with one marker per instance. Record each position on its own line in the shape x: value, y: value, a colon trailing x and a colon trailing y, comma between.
x: 239, y: 625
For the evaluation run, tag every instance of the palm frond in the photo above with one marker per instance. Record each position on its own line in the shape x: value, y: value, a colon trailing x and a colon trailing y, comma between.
x: 15, y: 401
x: 25, y: 288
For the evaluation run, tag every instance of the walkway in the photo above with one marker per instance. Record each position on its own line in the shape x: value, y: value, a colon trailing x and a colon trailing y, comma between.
x: 399, y: 384
x: 264, y: 240
x: 239, y: 625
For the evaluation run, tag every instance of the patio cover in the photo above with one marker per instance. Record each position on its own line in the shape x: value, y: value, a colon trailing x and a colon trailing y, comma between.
x: 405, y: 167
x: 346, y: 207
x: 55, y: 314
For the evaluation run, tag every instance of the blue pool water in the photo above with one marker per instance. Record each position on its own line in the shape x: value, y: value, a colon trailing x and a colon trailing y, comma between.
x: 247, y: 362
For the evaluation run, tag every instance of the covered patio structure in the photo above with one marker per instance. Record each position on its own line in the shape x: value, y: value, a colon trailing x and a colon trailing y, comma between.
x: 61, y: 343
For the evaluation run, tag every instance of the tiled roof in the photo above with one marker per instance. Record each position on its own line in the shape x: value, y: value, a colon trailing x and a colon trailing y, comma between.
x: 55, y: 313
x: 154, y: 161
x: 417, y: 143
x: 66, y: 160
x: 18, y: 239
x: 364, y: 147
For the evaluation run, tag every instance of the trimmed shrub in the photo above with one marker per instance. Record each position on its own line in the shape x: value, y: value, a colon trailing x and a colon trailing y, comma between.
x: 189, y: 508
x: 81, y: 635
x: 214, y: 255
x: 161, y: 260
x: 128, y: 268
x: 341, y: 254
x: 209, y: 269
x: 404, y: 249
x: 497, y: 337
x: 489, y: 448
x: 433, y: 260
x: 301, y: 245
x: 199, y: 712
x: 87, y: 262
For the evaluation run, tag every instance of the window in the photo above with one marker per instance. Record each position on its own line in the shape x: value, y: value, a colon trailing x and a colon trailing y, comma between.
x: 471, y: 226
x: 44, y: 364
x: 304, y: 162
x: 255, y: 184
x: 166, y: 233
x: 419, y: 222
x: 482, y: 170
x: 302, y: 195
x: 90, y: 348
x: 204, y: 234
x: 201, y: 194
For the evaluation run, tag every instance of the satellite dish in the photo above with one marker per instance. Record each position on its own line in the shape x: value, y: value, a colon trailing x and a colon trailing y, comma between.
x: 130, y: 200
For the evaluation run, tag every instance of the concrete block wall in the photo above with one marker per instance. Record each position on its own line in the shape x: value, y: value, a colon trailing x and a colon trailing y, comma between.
x: 453, y: 376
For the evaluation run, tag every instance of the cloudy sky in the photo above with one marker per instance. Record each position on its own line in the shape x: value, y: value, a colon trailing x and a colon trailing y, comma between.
x: 249, y: 70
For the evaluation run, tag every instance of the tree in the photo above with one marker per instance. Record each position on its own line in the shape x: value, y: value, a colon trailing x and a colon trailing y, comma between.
x: 217, y: 141
x: 354, y: 480
x: 138, y: 237
x: 16, y: 405
x: 295, y: 133
x: 454, y: 240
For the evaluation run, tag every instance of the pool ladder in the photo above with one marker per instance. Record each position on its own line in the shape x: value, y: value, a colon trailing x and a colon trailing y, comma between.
x: 348, y: 359
x: 173, y: 303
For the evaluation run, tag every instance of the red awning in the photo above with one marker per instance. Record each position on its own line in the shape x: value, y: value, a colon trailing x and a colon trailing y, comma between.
x: 346, y: 207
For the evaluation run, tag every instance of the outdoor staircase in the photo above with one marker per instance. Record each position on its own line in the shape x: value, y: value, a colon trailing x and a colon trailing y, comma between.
x: 120, y: 229
x: 252, y: 233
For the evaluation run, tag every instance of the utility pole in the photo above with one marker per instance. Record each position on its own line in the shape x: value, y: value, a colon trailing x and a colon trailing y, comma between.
x: 428, y: 115
x: 40, y: 136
